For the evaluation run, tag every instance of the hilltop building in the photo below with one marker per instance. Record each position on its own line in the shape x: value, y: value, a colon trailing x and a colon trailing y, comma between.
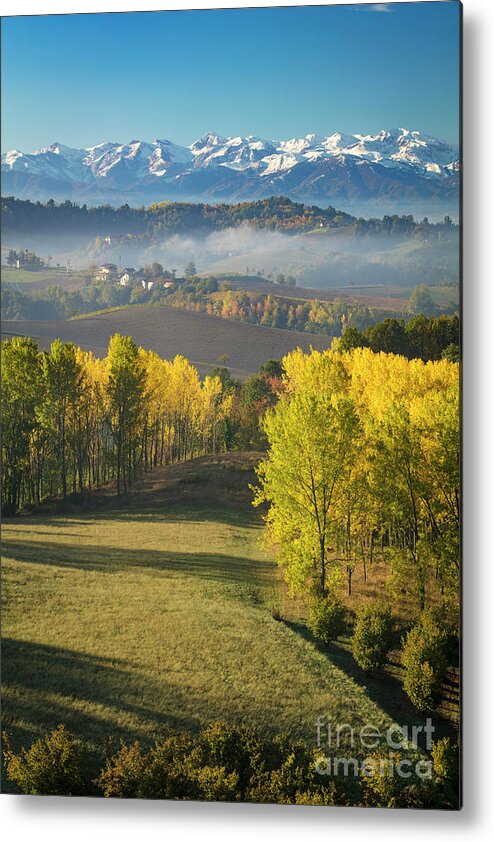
x: 126, y: 279
x: 107, y: 271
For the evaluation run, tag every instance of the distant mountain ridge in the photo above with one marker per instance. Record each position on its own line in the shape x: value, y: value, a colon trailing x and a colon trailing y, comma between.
x: 394, y: 168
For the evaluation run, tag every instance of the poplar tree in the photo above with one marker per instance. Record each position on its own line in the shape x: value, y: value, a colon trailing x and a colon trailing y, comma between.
x: 62, y: 385
x: 125, y: 390
x: 311, y: 443
x: 21, y: 389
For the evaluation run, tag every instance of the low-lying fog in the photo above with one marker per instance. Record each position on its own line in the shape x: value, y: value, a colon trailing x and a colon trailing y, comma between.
x: 316, y: 259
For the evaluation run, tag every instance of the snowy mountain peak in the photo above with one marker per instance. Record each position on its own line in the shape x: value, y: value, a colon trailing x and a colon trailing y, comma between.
x: 209, y: 139
x: 310, y: 166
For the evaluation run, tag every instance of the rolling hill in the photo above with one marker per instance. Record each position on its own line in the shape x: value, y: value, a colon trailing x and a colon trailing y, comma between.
x: 205, y: 340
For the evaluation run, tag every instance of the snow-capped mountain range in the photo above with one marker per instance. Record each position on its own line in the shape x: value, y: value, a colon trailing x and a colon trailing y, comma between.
x: 395, y: 166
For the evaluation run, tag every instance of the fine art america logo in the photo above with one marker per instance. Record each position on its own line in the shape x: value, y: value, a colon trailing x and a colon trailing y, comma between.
x: 376, y: 751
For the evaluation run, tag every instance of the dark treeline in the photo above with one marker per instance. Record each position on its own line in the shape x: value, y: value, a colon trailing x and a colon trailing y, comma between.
x: 423, y: 337
x: 395, y: 225
x: 171, y: 217
x: 274, y: 213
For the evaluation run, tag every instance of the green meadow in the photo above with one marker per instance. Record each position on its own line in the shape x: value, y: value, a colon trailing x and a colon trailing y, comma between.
x: 155, y: 615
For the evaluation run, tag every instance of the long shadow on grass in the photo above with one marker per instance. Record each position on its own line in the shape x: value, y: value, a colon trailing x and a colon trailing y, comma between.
x: 158, y: 513
x: 218, y: 483
x: 382, y: 688
x: 178, y: 513
x: 43, y: 686
x: 219, y: 567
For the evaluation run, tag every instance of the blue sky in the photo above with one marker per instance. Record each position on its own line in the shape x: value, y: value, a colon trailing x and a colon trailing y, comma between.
x: 83, y: 79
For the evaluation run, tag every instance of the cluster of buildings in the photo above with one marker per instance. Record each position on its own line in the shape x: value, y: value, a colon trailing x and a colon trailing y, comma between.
x: 128, y: 277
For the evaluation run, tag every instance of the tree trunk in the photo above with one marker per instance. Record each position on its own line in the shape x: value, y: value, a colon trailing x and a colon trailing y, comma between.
x: 322, y: 573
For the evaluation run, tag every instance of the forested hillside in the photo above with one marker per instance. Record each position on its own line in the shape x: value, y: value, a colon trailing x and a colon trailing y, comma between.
x: 170, y: 217
x: 276, y: 213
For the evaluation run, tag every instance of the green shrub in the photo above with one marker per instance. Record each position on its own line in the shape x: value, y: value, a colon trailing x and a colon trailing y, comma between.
x: 327, y: 618
x: 372, y: 635
x: 286, y: 771
x: 381, y: 783
x: 445, y: 759
x: 222, y: 763
x: 424, y: 662
x: 385, y: 786
x: 330, y: 795
x: 215, y: 765
x: 123, y: 773
x: 50, y: 767
x: 236, y: 748
x: 169, y: 771
x: 217, y: 785
x: 422, y: 686
x: 162, y: 772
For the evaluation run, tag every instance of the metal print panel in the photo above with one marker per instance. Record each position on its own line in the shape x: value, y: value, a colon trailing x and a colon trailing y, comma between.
x: 230, y: 405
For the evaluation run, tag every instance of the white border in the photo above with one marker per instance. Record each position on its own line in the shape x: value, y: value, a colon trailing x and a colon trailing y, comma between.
x: 35, y: 7
x: 82, y: 819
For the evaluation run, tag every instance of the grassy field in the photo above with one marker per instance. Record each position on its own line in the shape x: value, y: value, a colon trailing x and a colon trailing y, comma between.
x: 41, y: 280
x: 205, y: 340
x: 155, y: 614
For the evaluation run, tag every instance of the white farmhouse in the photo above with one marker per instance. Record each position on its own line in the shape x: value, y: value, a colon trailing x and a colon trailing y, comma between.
x: 107, y: 270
